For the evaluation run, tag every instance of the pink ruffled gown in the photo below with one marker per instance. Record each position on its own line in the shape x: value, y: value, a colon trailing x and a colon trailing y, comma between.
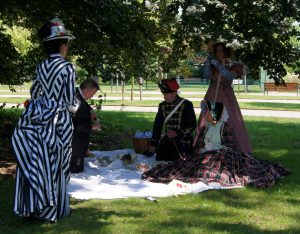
x: 227, y: 97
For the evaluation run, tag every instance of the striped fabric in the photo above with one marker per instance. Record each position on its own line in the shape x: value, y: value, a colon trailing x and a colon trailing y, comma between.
x: 42, y: 143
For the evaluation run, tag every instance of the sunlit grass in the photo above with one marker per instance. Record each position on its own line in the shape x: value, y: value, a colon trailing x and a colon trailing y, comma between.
x: 136, y: 102
x: 248, y: 210
x: 253, y: 91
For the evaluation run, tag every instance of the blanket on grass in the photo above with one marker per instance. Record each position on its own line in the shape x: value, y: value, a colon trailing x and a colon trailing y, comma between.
x: 106, y: 176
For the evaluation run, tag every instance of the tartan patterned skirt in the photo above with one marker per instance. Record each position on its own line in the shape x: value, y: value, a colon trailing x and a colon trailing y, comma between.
x: 226, y: 166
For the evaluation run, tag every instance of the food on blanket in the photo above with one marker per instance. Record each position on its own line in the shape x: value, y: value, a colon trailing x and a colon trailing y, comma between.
x: 103, y: 161
x: 142, y: 167
x: 128, y: 158
x: 90, y: 154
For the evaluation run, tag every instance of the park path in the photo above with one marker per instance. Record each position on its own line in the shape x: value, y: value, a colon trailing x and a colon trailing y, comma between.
x: 118, y: 98
x: 245, y: 112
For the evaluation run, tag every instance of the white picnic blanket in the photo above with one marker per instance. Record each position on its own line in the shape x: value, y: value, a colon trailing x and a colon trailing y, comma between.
x: 119, y: 180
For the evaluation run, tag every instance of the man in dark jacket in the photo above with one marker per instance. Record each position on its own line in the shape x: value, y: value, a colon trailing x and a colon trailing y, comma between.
x: 176, y: 119
x: 84, y: 121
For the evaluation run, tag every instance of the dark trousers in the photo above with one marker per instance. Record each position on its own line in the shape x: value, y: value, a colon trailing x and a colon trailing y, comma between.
x: 80, y: 146
x: 169, y: 149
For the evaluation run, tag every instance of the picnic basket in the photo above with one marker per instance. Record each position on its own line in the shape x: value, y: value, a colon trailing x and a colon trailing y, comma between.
x: 141, y: 145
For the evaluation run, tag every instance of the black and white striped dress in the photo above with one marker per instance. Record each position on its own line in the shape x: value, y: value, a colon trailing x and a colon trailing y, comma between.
x: 42, y: 143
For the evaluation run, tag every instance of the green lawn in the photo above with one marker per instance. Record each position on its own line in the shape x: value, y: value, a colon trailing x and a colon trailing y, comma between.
x: 135, y: 102
x: 243, y: 105
x: 249, y: 210
x: 255, y: 94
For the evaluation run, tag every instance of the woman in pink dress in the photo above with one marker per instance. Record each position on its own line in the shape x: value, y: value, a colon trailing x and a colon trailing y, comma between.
x: 221, y: 72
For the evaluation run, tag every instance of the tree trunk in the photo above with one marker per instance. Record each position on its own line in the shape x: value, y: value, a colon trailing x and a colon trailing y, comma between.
x: 111, y: 84
x: 123, y: 89
x: 132, y: 86
x: 140, y: 92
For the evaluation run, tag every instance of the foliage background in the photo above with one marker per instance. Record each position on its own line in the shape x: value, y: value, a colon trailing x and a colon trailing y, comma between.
x: 135, y: 37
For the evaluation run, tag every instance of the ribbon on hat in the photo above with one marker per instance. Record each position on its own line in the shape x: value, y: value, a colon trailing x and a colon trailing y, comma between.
x: 58, y: 31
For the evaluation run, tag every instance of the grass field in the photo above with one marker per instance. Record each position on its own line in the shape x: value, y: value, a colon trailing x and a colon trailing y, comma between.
x: 261, y: 105
x: 106, y: 87
x: 274, y: 210
x: 253, y: 91
x: 243, y: 105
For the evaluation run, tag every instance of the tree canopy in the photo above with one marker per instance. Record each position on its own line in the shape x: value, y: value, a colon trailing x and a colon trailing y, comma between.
x: 132, y: 35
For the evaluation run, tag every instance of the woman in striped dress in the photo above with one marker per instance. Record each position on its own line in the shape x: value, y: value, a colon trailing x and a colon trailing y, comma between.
x: 42, y: 137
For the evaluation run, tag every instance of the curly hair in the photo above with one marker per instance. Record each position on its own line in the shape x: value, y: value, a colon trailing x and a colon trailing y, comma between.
x: 227, y: 50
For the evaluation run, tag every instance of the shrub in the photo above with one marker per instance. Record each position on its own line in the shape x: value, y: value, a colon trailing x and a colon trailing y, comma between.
x: 8, y: 120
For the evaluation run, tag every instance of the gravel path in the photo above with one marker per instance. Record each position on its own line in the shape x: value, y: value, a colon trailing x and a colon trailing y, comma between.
x: 245, y: 112
x: 294, y: 101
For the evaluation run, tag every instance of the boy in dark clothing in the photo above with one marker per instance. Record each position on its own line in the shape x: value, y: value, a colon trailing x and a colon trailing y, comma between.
x: 84, y: 121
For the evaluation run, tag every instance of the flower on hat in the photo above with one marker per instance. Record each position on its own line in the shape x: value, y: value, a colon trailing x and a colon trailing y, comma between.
x: 58, y: 31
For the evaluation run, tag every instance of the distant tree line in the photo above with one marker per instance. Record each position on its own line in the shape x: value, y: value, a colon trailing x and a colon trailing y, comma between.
x: 136, y: 37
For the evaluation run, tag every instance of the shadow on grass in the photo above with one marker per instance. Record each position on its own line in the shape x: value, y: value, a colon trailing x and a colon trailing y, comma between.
x: 275, y: 140
x: 271, y: 106
x: 81, y: 220
x: 213, y: 211
x: 237, y: 228
x: 209, y: 212
x: 204, y: 218
x: 84, y: 220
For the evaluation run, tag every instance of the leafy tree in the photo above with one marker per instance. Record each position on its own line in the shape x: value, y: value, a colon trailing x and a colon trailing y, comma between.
x: 108, y: 32
x: 296, y: 67
x: 129, y: 35
x: 259, y: 30
x: 20, y: 38
x: 10, y: 61
x: 296, y: 43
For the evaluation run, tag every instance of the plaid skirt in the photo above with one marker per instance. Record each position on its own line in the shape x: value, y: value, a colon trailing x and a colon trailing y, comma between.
x: 226, y: 166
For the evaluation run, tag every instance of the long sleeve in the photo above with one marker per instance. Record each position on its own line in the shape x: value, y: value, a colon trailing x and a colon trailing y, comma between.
x: 36, y: 88
x: 70, y: 84
x: 207, y: 71
x: 157, y: 127
x: 223, y: 70
x: 188, y: 123
x: 82, y: 120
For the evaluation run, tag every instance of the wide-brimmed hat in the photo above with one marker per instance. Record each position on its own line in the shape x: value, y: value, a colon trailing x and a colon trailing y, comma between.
x: 168, y: 85
x: 58, y: 31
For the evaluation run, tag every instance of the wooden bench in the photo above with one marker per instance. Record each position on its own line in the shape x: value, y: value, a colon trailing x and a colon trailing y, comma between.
x: 287, y: 87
